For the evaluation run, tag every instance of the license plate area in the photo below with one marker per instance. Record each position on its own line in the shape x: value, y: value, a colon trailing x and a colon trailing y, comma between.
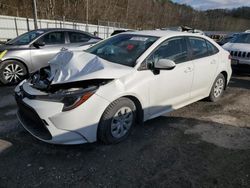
x: 234, y: 61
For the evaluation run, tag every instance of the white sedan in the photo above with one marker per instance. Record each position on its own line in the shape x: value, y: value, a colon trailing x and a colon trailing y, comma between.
x: 125, y: 80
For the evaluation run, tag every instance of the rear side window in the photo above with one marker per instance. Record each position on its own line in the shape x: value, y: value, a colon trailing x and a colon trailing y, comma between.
x: 174, y: 49
x: 211, y: 48
x: 54, y: 38
x: 75, y: 37
x: 199, y: 47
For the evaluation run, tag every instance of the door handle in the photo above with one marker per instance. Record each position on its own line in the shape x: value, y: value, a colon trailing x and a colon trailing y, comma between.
x: 188, y: 69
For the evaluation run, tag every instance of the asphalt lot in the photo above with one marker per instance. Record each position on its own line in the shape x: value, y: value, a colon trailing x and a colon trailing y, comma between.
x: 202, y: 145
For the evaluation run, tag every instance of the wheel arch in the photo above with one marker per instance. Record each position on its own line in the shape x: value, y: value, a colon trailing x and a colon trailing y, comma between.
x: 224, y: 73
x: 139, y: 109
x: 18, y: 60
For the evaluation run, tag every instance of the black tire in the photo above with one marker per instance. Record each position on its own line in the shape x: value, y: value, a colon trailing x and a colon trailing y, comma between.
x: 220, y: 83
x: 104, y: 132
x: 21, y: 72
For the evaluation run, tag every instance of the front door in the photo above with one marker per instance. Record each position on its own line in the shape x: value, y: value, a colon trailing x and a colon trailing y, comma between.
x: 54, y: 42
x: 170, y: 89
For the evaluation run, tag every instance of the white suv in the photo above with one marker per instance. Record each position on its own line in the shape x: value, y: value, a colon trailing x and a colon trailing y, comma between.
x: 239, y: 49
x: 129, y: 78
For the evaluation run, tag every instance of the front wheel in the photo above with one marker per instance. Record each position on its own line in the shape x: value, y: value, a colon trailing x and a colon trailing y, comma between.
x: 12, y: 72
x: 217, y: 89
x: 117, y: 121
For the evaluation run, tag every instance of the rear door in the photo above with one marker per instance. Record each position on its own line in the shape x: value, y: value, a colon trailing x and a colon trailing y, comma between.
x: 205, y: 60
x: 76, y: 40
x: 54, y: 42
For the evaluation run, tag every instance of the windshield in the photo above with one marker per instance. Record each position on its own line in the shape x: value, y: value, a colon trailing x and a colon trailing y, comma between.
x: 242, y: 38
x: 123, y: 49
x: 25, y: 38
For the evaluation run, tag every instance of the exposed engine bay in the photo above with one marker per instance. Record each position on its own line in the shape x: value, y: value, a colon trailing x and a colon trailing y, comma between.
x: 42, y: 80
x: 65, y: 66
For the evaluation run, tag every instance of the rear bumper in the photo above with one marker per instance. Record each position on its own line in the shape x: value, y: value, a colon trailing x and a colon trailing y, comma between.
x: 241, y: 68
x: 240, y: 61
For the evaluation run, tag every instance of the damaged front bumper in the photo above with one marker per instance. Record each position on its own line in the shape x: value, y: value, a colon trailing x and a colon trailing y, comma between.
x: 46, y: 120
x: 59, y: 104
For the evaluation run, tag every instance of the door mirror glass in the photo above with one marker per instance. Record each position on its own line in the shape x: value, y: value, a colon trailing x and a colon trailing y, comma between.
x: 164, y: 64
x: 38, y: 43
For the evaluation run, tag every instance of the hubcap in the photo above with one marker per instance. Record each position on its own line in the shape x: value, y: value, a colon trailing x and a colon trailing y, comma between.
x: 121, y: 122
x: 13, y: 73
x: 219, y: 86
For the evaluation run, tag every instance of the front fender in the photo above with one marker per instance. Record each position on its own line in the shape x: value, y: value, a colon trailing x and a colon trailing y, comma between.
x: 21, y: 56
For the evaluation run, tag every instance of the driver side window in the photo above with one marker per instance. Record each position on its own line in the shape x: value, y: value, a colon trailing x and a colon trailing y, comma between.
x: 173, y: 49
x: 54, y: 38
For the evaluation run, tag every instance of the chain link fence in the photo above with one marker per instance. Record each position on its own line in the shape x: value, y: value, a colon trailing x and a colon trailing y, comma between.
x: 11, y: 27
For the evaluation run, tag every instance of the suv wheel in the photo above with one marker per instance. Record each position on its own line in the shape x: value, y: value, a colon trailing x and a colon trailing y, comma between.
x: 117, y: 121
x: 217, y: 89
x: 12, y: 72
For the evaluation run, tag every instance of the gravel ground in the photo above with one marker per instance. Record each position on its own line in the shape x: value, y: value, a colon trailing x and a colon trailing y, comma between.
x: 202, y: 145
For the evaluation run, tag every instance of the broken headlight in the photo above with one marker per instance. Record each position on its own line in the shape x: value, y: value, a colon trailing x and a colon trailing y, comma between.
x: 71, y: 98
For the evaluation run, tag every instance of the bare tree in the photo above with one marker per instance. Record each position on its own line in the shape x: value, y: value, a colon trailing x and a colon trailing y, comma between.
x: 146, y: 14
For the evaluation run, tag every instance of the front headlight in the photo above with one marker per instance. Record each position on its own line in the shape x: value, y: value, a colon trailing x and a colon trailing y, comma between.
x: 71, y: 98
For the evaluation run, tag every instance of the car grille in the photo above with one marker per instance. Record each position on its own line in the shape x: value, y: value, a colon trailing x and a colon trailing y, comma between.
x: 240, y: 54
x: 31, y: 120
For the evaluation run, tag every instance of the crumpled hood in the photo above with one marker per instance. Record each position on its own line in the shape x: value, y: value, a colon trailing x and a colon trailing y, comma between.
x: 68, y: 66
x: 237, y: 47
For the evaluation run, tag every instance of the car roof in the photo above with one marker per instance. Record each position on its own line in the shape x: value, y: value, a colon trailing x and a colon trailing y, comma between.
x: 45, y: 30
x: 163, y: 33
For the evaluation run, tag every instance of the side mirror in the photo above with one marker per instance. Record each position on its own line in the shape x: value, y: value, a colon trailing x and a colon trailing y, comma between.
x: 164, y: 64
x: 38, y: 43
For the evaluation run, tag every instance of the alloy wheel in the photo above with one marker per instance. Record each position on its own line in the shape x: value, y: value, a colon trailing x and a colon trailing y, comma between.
x: 13, y: 73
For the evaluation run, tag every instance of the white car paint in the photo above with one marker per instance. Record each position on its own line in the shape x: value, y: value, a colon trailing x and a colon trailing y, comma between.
x: 171, y: 89
x: 235, y: 48
x: 70, y: 66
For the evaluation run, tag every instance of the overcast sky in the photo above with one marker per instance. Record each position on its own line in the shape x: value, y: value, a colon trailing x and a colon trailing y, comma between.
x: 212, y: 4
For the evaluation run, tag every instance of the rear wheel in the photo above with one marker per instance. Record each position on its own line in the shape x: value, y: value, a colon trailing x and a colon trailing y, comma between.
x: 117, y: 121
x: 12, y: 72
x: 218, y: 88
